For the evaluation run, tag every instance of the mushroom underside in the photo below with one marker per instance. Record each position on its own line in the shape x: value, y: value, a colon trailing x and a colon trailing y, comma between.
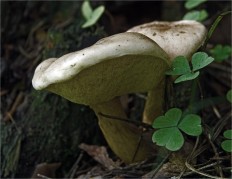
x: 106, y: 80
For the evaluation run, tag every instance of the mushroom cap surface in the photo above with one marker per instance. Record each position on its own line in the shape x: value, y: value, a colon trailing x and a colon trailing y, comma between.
x: 175, y: 38
x: 120, y: 64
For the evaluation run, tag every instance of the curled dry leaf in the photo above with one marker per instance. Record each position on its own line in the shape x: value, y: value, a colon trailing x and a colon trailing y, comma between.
x: 100, y: 154
x: 45, y: 169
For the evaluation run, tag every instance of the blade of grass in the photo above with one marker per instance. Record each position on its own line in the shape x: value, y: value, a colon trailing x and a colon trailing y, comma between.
x: 214, y: 25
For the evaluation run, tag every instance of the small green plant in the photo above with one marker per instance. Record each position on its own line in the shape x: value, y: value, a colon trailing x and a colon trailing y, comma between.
x: 227, y: 144
x: 91, y: 16
x: 229, y: 96
x: 169, y: 128
x: 198, y: 15
x: 221, y: 53
x: 190, y: 4
x: 180, y: 66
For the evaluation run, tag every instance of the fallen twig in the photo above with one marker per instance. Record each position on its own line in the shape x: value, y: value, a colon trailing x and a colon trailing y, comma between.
x: 16, y: 103
x: 75, y: 166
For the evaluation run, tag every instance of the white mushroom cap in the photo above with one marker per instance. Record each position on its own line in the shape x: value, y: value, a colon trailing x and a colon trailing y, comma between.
x: 114, y: 66
x: 175, y: 38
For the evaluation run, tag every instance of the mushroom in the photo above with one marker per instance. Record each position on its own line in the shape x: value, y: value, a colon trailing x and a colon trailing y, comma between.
x: 175, y: 38
x: 98, y: 75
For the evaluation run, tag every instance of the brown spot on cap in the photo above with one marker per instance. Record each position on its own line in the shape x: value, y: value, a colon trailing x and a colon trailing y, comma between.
x: 182, y: 32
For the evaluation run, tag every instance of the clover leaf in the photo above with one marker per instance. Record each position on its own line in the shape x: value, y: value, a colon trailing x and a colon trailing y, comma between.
x: 171, y: 138
x: 186, y: 77
x: 180, y: 66
x: 228, y: 134
x: 189, y: 4
x: 200, y: 60
x: 191, y: 125
x: 229, y: 96
x: 221, y: 53
x: 171, y: 118
x: 169, y: 128
x: 91, y: 16
x: 227, y: 144
x: 196, y: 15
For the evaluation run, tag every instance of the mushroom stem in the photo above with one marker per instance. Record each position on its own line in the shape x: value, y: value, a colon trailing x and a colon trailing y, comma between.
x: 125, y: 139
x: 154, y: 103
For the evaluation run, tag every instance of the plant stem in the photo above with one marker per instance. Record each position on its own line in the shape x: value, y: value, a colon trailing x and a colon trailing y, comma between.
x: 213, y: 27
x: 154, y: 104
x: 125, y: 139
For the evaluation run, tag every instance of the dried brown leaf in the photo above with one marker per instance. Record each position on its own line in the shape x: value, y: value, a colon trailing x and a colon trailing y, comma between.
x: 100, y: 154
